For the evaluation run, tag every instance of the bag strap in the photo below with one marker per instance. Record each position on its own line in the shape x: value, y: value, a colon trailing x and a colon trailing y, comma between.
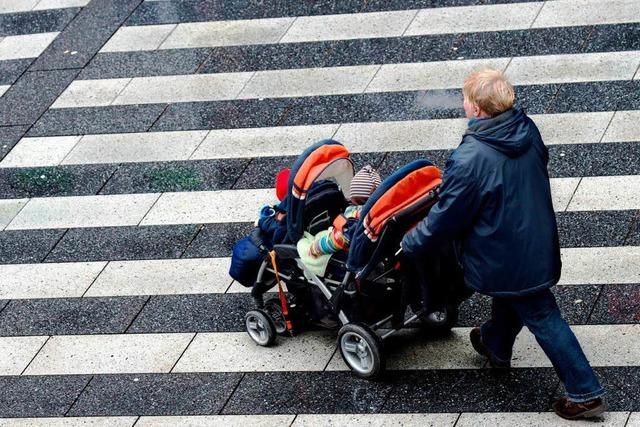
x: 283, y: 298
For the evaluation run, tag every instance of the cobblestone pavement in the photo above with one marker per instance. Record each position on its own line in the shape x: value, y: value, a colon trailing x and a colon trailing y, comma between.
x: 138, y: 139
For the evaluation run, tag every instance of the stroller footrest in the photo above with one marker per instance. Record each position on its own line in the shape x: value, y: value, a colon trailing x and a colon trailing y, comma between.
x: 286, y: 251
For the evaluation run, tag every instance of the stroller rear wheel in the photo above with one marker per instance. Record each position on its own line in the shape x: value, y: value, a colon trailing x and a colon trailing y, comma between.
x: 440, y: 321
x: 260, y: 327
x: 274, y: 309
x: 361, y: 350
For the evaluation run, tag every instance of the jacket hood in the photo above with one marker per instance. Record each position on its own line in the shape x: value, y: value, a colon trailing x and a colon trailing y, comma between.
x: 507, y: 133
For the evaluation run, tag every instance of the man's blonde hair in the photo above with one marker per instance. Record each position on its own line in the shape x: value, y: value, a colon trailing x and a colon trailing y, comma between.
x: 490, y: 90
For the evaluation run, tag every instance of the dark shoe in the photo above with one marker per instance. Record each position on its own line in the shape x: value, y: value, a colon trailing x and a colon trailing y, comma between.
x: 575, y: 411
x: 476, y: 341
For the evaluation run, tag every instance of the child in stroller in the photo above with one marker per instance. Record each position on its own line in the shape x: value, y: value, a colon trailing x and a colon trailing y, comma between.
x: 367, y: 289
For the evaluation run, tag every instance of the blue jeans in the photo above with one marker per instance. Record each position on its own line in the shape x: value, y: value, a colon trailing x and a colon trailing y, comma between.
x: 539, y: 312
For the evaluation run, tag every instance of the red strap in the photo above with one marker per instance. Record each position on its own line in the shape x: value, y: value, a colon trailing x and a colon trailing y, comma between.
x: 281, y: 295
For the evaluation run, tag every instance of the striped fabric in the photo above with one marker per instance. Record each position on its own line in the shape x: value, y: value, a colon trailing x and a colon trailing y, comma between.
x: 139, y: 139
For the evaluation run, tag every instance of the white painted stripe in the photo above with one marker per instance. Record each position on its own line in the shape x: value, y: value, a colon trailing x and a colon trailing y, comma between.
x: 12, y: 6
x: 59, y: 4
x: 50, y: 280
x: 538, y: 419
x: 209, y: 206
x: 375, y: 420
x: 587, y: 12
x: 634, y: 420
x: 439, y: 134
x: 445, y: 20
x: 25, y: 46
x: 8, y: 210
x: 227, y: 33
x: 344, y: 80
x: 349, y: 26
x: 17, y: 352
x: 3, y: 89
x: 604, y: 345
x: 83, y: 211
x: 161, y: 277
x: 597, y: 265
x: 600, y: 265
x: 592, y: 194
x: 625, y: 126
x: 217, y: 420
x: 69, y: 422
x: 109, y: 354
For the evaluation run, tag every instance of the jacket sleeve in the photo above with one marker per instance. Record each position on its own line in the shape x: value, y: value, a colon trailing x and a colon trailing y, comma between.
x: 458, y: 204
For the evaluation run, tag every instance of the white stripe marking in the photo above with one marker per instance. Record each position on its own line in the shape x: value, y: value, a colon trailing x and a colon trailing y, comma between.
x: 25, y: 46
x: 17, y: 352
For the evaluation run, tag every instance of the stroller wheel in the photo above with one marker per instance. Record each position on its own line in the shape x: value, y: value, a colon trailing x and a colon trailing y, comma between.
x: 440, y: 321
x: 260, y: 327
x: 361, y: 350
x: 274, y: 310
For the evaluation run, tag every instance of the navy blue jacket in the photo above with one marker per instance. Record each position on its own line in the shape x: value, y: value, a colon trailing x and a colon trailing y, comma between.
x: 495, y: 199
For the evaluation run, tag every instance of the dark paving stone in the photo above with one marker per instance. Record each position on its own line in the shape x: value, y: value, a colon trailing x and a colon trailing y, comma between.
x: 541, y: 41
x: 189, y: 313
x: 163, y: 62
x: 617, y: 158
x: 575, y: 302
x: 3, y: 304
x: 27, y: 246
x: 590, y: 229
x: 515, y: 390
x: 53, y: 181
x: 11, y: 69
x: 41, y: 396
x: 121, y: 243
x: 596, y: 96
x: 261, y: 171
x: 536, y: 99
x: 156, y: 394
x: 217, y: 240
x: 306, y: 392
x: 36, y: 21
x: 112, y: 119
x: 608, y: 38
x: 9, y: 136
x: 617, y: 304
x: 194, y: 175
x: 621, y: 384
x: 85, y: 35
x: 32, y: 94
x: 69, y: 316
x: 212, y: 10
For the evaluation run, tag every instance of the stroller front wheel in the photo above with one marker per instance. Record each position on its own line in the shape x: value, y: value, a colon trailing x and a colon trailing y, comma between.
x: 260, y: 327
x: 361, y: 350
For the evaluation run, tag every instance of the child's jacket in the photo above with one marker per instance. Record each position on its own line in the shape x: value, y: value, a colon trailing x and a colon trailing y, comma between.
x: 495, y: 198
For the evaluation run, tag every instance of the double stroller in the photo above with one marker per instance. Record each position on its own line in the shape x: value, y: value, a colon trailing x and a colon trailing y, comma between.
x: 370, y: 291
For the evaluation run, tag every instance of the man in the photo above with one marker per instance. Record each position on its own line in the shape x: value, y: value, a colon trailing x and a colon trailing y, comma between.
x: 496, y: 200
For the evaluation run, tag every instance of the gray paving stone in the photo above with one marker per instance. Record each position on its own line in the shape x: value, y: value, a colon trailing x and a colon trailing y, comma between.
x: 36, y: 21
x: 590, y: 229
x: 596, y: 96
x: 85, y: 35
x: 54, y: 181
x: 11, y: 69
x: 199, y: 175
x: 188, y: 313
x: 9, y: 136
x: 306, y: 392
x: 32, y: 94
x: 514, y: 390
x: 217, y: 240
x: 145, y: 63
x: 42, y: 396
x: 617, y: 304
x: 27, y: 246
x: 156, y: 394
x: 69, y: 316
x: 95, y: 120
x: 618, y: 158
x: 119, y: 243
x: 606, y: 38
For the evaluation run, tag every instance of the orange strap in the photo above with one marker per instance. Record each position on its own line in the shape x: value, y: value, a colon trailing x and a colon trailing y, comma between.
x: 281, y: 295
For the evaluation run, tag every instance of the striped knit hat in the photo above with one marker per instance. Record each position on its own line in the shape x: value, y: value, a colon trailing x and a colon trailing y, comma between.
x: 364, y: 183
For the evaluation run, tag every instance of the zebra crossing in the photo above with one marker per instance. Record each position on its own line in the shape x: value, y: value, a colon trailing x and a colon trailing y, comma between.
x: 138, y: 140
